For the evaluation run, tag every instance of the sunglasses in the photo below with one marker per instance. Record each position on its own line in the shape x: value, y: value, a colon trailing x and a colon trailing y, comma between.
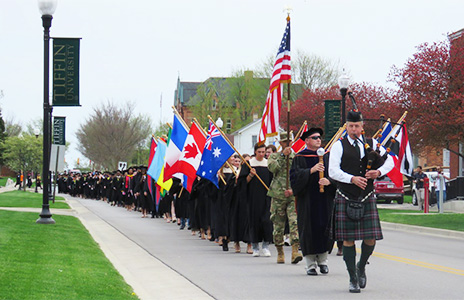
x: 316, y: 137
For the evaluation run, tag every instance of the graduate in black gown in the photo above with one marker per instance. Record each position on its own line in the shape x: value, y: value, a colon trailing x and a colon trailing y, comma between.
x: 202, y: 201
x: 313, y: 207
x: 259, y: 204
x: 239, y: 208
x: 225, y: 194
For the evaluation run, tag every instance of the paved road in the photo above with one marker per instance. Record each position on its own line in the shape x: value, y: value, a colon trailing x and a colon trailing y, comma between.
x: 405, y: 265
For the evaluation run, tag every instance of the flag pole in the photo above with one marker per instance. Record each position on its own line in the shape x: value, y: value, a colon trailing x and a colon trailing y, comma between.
x: 288, y: 116
x: 400, y: 122
x: 381, y: 129
x: 204, y: 133
x: 230, y: 144
x: 298, y: 134
x: 335, y: 138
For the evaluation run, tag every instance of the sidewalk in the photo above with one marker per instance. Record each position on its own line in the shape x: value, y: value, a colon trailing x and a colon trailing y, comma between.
x: 149, y: 277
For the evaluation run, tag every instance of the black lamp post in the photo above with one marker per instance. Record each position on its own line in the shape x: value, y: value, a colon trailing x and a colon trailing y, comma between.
x: 343, y: 83
x: 47, y: 8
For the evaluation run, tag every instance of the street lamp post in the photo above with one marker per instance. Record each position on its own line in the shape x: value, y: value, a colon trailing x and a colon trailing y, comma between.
x: 343, y: 83
x: 47, y: 8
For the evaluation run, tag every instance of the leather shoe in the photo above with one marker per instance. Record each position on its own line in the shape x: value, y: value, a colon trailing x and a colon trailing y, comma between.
x: 361, y: 278
x: 311, y: 271
x: 324, y: 269
x: 354, y: 287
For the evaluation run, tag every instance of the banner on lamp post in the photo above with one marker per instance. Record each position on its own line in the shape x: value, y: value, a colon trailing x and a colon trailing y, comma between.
x: 65, y: 71
x: 59, y: 129
x: 332, y: 118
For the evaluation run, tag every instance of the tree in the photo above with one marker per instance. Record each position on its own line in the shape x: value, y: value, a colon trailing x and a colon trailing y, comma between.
x: 23, y: 153
x: 431, y: 89
x: 310, y: 70
x: 12, y: 128
x: 371, y: 100
x: 111, y: 134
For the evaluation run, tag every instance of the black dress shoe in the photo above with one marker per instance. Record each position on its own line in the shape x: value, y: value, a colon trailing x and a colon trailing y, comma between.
x: 225, y: 246
x: 311, y: 272
x: 354, y: 287
x: 361, y: 278
x: 324, y: 269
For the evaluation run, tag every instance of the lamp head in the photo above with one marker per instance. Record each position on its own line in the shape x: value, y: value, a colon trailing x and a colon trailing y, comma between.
x: 344, y: 81
x: 219, y: 122
x: 47, y: 7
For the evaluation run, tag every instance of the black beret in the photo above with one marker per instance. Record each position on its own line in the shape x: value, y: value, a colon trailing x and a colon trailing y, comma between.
x: 311, y: 131
x: 354, y: 116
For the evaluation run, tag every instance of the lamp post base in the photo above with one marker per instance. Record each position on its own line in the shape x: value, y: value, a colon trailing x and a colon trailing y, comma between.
x: 45, y: 216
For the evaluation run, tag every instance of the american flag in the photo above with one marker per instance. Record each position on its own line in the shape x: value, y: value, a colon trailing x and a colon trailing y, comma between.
x: 280, y: 75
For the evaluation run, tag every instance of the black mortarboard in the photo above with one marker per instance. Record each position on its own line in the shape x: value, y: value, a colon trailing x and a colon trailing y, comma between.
x: 354, y: 116
x: 311, y: 131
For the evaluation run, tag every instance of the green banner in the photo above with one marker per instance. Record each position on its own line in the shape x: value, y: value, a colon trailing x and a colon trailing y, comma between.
x: 59, y: 130
x: 66, y: 72
x: 332, y: 118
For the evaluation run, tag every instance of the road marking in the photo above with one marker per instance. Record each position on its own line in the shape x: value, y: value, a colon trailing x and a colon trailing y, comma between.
x: 419, y: 263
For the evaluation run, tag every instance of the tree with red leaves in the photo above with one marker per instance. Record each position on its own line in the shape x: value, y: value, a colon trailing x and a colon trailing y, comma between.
x: 372, y: 101
x: 431, y: 90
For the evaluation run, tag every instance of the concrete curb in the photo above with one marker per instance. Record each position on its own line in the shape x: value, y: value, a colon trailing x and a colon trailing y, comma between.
x: 423, y: 230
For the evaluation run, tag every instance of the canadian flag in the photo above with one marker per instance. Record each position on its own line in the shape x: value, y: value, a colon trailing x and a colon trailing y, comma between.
x: 190, y: 158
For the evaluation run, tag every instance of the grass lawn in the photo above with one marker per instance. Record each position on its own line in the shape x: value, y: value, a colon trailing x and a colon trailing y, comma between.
x: 450, y: 221
x: 59, y: 261
x: 27, y: 199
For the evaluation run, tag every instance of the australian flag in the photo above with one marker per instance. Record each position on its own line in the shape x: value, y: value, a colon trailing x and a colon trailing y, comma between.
x: 215, y: 154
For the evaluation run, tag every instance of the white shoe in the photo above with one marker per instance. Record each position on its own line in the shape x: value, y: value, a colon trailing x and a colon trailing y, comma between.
x: 266, y: 252
x: 255, y: 253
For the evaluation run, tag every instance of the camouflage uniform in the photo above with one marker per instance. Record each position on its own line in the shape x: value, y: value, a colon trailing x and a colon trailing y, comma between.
x: 281, y: 206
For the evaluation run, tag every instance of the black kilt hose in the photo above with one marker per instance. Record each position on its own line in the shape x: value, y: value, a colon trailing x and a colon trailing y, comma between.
x: 345, y: 229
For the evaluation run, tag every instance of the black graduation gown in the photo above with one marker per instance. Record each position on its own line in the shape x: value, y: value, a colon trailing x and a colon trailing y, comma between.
x: 225, y: 194
x: 313, y: 208
x: 239, y: 211
x: 202, y: 203
x: 259, y: 204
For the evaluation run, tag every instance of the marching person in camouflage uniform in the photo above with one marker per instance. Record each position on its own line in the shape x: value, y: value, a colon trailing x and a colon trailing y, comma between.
x: 283, y: 202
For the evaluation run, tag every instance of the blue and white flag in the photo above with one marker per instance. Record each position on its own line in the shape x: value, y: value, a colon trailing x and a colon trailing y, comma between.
x: 215, y: 154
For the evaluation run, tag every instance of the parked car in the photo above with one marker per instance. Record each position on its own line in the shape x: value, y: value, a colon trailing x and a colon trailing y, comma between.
x: 385, y: 189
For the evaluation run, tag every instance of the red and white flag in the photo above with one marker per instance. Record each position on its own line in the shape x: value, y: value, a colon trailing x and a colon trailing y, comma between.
x: 280, y: 75
x: 299, y: 144
x: 190, y: 158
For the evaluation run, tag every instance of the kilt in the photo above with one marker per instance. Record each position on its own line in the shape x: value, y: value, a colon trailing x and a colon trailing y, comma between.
x: 345, y: 229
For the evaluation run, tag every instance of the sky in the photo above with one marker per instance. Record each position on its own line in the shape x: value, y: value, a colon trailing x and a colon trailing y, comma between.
x: 135, y: 50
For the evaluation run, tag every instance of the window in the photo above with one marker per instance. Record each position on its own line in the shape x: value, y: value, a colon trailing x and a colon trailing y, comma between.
x: 228, y: 125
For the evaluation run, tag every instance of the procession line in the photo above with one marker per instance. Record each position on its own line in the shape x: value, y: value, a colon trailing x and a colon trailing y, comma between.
x: 419, y: 263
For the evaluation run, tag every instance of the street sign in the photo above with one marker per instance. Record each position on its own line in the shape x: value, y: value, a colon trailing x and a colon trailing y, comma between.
x: 332, y: 118
x: 59, y: 130
x: 122, y: 165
